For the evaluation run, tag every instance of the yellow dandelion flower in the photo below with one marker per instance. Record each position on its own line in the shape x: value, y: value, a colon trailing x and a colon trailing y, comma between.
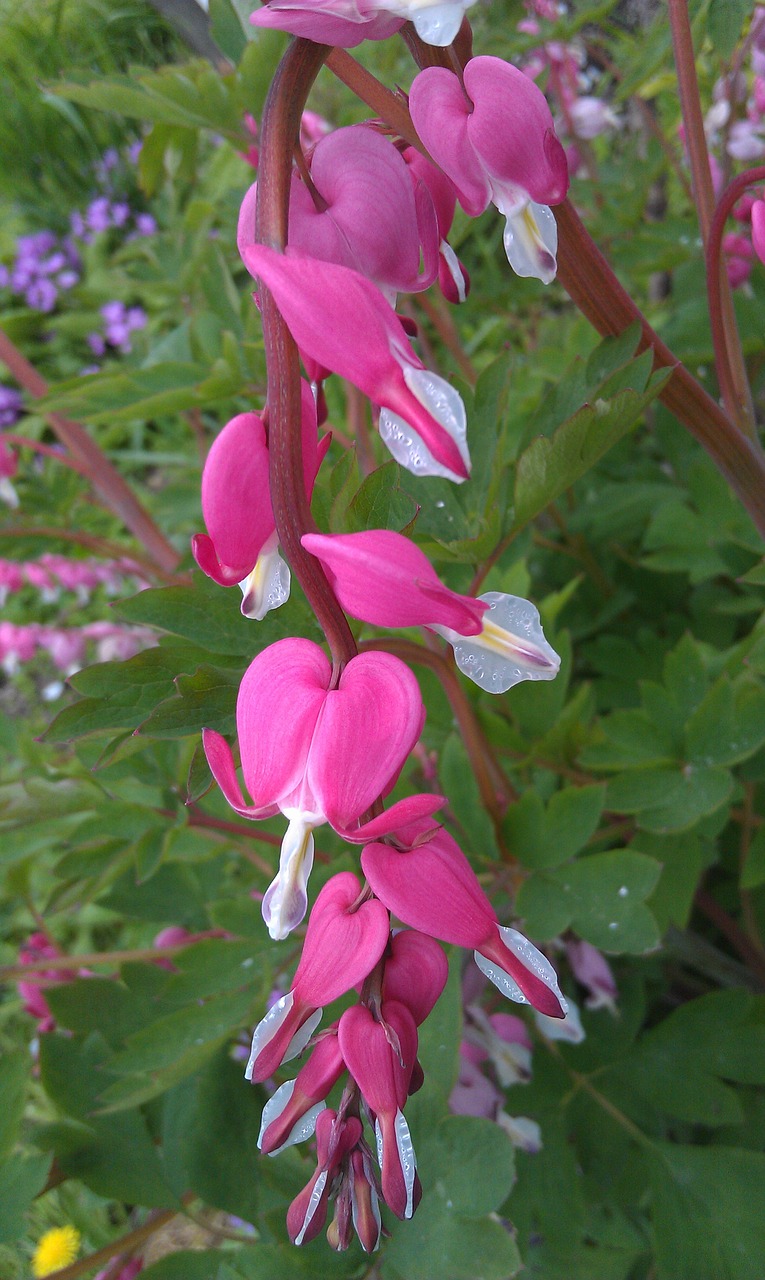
x: 56, y: 1249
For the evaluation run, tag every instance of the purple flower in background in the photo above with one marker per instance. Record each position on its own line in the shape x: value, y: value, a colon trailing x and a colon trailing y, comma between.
x: 119, y: 322
x: 41, y: 295
x: 11, y: 405
x: 145, y: 224
x: 98, y: 216
x: 120, y: 213
x: 134, y: 151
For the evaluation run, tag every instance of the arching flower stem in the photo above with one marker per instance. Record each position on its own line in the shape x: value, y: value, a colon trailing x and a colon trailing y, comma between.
x: 292, y: 515
x: 729, y: 357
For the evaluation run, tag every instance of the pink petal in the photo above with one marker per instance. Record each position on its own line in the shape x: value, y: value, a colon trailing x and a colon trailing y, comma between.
x: 530, y: 972
x: 236, y: 500
x: 341, y: 946
x: 415, y: 972
x: 317, y: 22
x: 412, y: 809
x: 203, y: 551
x: 433, y: 888
x: 440, y: 113
x: 364, y: 733
x: 511, y: 129
x: 280, y: 699
x: 383, y: 578
x: 221, y: 762
x: 381, y: 1075
x: 281, y: 1127
x: 344, y: 323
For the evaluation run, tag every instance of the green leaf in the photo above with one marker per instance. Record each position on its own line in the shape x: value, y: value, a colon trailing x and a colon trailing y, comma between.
x: 193, y: 95
x: 460, y: 786
x: 439, y: 1242
x: 205, y: 700
x: 550, y: 466
x: 725, y: 20
x: 471, y: 1164
x: 607, y: 892
x: 21, y: 1180
x: 14, y: 1074
x: 667, y: 800
x: 381, y: 503
x: 707, y: 1212
x: 545, y: 838
x: 728, y: 725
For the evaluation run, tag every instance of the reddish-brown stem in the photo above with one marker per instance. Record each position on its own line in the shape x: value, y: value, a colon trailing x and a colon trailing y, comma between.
x: 496, y: 791
x: 128, y: 1243
x: 102, y: 546
x: 292, y: 513
x: 753, y: 958
x: 591, y: 284
x: 114, y: 490
x: 10, y: 972
x: 436, y: 309
x: 729, y: 358
x: 389, y: 106
x: 47, y: 451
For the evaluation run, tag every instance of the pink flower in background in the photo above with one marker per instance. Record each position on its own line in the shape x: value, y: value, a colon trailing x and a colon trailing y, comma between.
x: 318, y: 754
x: 739, y: 256
x: 339, y: 319
x: 32, y: 989
x: 8, y: 469
x: 495, y: 139
x: 590, y: 967
x: 242, y: 546
x: 383, y: 578
x: 758, y: 228
x: 370, y: 217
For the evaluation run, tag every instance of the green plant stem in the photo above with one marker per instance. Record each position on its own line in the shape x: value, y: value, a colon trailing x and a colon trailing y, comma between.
x: 10, y: 972
x: 280, y: 126
x: 104, y: 477
x: 753, y: 958
x: 729, y: 357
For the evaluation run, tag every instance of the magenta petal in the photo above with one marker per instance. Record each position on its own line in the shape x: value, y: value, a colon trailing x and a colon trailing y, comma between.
x: 317, y: 22
x: 440, y: 113
x: 280, y: 699
x: 341, y: 947
x: 400, y: 814
x: 236, y: 500
x: 528, y: 969
x: 433, y: 888
x: 367, y: 728
x: 339, y: 319
x: 382, y: 1077
x: 221, y: 762
x: 203, y: 551
x: 383, y: 578
x: 415, y: 972
x: 511, y: 129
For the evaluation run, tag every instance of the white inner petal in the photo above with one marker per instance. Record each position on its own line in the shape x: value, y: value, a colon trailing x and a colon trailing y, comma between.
x: 502, y: 981
x: 286, y: 899
x: 444, y: 403
x: 266, y: 587
x: 267, y: 1029
x: 301, y: 1037
x: 533, y: 960
x: 531, y: 242
x: 303, y: 1127
x: 455, y: 269
x: 313, y: 1205
x: 569, y: 1029
x: 407, y: 1160
x: 511, y: 647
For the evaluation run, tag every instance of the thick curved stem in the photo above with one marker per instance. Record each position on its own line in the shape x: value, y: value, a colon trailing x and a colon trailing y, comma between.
x: 729, y: 358
x: 292, y: 514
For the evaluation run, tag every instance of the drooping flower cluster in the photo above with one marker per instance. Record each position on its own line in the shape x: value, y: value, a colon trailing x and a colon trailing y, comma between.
x: 324, y: 742
x: 67, y: 646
